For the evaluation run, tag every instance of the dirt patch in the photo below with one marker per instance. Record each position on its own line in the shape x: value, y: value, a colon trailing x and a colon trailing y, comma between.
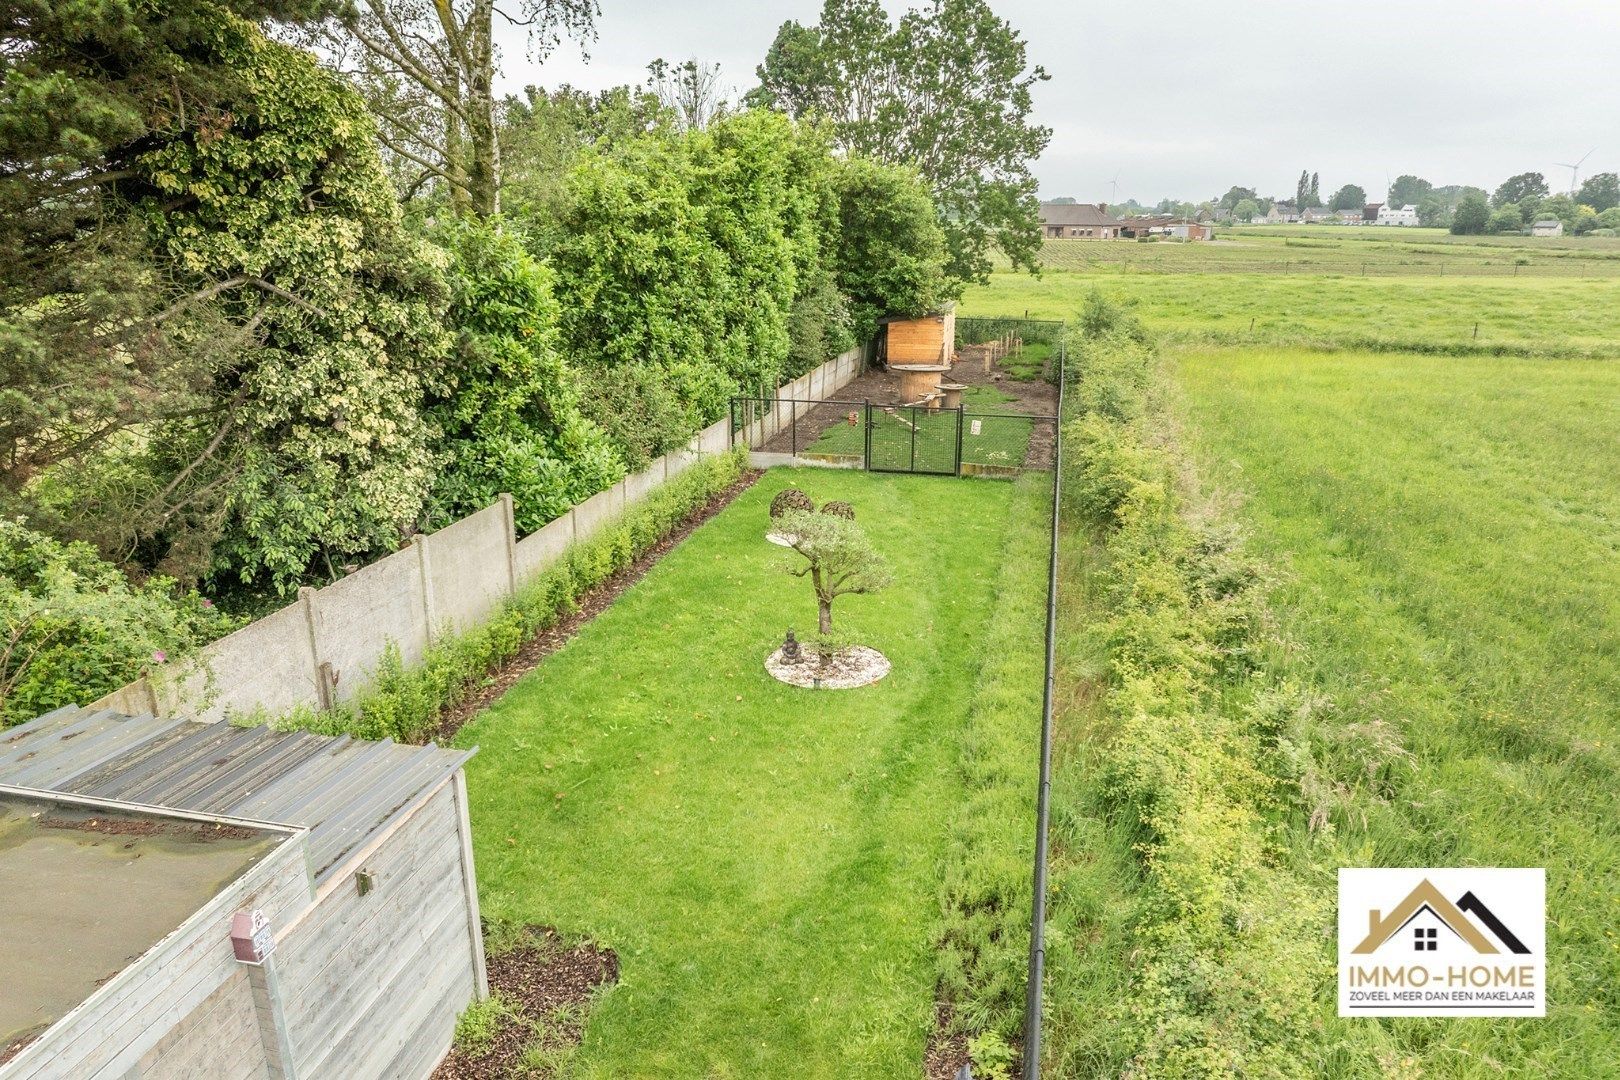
x: 947, y: 1051
x: 545, y: 985
x: 592, y: 604
x: 974, y: 367
x: 128, y: 827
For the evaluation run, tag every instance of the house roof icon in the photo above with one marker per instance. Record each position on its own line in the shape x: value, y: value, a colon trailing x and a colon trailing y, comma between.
x: 1427, y: 897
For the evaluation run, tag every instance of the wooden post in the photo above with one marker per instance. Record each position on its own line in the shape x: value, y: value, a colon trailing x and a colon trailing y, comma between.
x: 265, y: 981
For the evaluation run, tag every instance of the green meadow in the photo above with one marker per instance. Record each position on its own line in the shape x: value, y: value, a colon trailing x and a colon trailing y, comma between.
x: 1426, y: 464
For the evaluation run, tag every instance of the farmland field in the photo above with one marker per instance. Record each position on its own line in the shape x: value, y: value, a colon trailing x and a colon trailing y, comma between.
x: 765, y: 860
x: 1438, y: 506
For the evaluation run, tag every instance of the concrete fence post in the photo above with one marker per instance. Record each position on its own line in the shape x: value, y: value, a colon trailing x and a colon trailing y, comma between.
x: 424, y: 572
x: 509, y: 516
x: 323, y: 670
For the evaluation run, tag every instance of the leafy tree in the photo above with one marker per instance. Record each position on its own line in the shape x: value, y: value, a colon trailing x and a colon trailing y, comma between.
x: 1234, y: 196
x: 1307, y: 191
x: 1601, y: 192
x: 1246, y: 210
x: 1063, y: 200
x: 1408, y: 189
x: 947, y: 91
x: 1507, y: 219
x: 680, y: 260
x: 1472, y: 216
x: 1517, y: 188
x: 1349, y: 197
x: 1583, y: 221
x: 251, y: 398
x: 890, y: 249
x: 508, y: 417
x: 1434, y: 212
x: 1610, y: 218
x: 839, y: 559
x: 543, y: 133
x: 428, y: 72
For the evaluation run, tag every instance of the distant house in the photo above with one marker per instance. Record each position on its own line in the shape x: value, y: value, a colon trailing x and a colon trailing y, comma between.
x: 1547, y: 227
x: 1312, y: 215
x: 1350, y: 217
x: 1177, y: 228
x: 1281, y: 213
x: 1389, y: 215
x: 1369, y: 213
x: 1078, y: 221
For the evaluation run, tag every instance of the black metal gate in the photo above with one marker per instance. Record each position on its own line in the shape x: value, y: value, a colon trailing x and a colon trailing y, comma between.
x: 914, y: 439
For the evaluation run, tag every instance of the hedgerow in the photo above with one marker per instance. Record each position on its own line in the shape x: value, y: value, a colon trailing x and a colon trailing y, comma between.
x: 406, y: 703
x: 1202, y: 760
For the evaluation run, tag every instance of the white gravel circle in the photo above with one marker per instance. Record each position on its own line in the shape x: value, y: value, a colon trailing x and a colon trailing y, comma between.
x: 854, y: 666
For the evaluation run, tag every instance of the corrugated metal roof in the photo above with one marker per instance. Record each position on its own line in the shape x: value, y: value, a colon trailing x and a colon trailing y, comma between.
x: 343, y: 790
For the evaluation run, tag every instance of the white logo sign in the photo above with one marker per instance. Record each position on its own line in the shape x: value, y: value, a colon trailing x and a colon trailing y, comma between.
x: 1442, y: 942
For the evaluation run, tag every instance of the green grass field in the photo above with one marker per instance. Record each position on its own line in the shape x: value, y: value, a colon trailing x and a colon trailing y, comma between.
x: 1442, y: 515
x: 766, y: 860
x: 1449, y: 530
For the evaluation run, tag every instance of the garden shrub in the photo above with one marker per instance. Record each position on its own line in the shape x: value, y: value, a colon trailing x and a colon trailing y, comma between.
x: 406, y: 703
x: 73, y: 628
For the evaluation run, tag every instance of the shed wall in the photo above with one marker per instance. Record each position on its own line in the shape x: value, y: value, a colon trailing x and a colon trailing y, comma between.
x: 372, y: 985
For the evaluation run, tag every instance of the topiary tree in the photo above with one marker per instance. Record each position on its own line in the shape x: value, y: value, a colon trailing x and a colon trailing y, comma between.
x: 839, y: 559
x: 839, y: 508
x: 788, y: 500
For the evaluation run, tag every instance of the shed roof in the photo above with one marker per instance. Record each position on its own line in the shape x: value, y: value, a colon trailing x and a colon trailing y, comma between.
x: 344, y: 790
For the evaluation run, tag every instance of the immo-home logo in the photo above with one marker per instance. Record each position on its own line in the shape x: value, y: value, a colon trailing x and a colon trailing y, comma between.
x: 1457, y: 941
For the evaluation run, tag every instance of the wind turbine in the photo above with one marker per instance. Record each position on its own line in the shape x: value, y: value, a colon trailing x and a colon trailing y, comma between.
x: 1575, y: 169
x: 1113, y: 189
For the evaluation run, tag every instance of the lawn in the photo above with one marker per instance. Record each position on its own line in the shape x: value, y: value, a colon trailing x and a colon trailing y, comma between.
x: 1001, y: 439
x: 1529, y: 315
x: 1449, y: 530
x: 766, y: 860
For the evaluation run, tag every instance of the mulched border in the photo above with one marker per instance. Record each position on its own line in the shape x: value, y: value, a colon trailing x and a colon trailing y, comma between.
x: 947, y: 1051
x: 592, y: 604
x: 544, y: 981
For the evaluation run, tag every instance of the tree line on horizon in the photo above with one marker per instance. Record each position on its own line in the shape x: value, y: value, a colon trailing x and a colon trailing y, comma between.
x: 1515, y: 204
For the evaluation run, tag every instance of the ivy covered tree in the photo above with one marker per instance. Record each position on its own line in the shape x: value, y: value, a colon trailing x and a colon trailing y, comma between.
x: 947, y: 90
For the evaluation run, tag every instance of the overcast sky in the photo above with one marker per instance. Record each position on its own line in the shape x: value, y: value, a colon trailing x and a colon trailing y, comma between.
x: 1185, y: 98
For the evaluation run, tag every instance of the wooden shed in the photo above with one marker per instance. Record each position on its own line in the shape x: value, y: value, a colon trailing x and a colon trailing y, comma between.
x: 927, y: 339
x: 204, y: 900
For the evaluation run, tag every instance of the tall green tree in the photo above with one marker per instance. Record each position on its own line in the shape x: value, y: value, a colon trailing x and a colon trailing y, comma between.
x: 1407, y: 190
x: 1349, y: 197
x: 1235, y: 195
x: 946, y: 90
x: 1472, y: 216
x: 1601, y: 192
x: 1516, y: 189
x: 428, y: 70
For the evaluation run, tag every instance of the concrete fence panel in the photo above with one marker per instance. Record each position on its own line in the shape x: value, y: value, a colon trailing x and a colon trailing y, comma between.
x: 592, y: 515
x: 677, y: 462
x: 714, y: 439
x: 541, y: 550
x: 638, y: 486
x: 355, y: 619
x: 468, y: 569
x: 268, y: 664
